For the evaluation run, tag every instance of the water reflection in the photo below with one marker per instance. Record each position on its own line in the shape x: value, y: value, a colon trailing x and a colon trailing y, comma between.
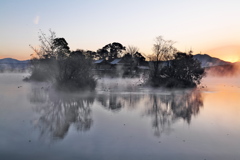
x: 111, y: 102
x: 58, y: 111
x: 164, y: 109
x: 115, y: 101
x: 167, y: 109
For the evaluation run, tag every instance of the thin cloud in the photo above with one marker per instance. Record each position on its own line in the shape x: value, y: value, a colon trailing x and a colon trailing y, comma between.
x: 36, y: 20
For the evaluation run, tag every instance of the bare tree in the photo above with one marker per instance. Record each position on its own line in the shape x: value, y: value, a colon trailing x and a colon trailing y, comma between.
x: 46, y: 47
x: 51, y: 47
x: 163, y: 50
x: 131, y: 50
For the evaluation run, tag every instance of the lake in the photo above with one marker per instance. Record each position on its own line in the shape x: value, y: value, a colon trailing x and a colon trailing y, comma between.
x: 120, y: 120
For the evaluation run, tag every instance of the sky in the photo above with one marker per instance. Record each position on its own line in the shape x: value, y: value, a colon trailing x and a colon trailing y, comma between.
x: 205, y: 26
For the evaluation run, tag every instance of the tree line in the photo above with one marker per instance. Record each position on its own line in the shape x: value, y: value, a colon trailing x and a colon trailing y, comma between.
x: 54, y: 61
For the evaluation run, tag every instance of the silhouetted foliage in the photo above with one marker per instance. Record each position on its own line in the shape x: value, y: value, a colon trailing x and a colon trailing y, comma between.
x: 91, y: 55
x: 76, y: 72
x: 111, y: 51
x: 40, y: 70
x: 56, y: 63
x: 173, y: 69
x: 130, y: 64
x: 131, y: 50
x: 183, y: 71
x: 138, y: 59
x: 163, y: 50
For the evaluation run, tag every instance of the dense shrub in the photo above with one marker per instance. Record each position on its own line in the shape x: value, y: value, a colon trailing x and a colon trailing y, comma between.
x: 182, y: 72
x: 67, y: 70
x: 75, y: 73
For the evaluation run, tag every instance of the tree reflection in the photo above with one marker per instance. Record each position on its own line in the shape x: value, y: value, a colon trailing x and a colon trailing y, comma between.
x: 163, y: 109
x: 166, y: 109
x: 110, y: 102
x: 58, y: 111
x: 117, y: 101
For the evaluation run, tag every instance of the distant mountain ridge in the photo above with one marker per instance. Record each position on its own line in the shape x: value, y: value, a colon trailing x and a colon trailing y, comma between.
x: 218, y: 67
x: 10, y: 64
x: 208, y: 61
x: 12, y: 61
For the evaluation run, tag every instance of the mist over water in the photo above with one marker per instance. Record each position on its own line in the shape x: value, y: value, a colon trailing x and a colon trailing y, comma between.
x: 122, y: 119
x: 232, y: 70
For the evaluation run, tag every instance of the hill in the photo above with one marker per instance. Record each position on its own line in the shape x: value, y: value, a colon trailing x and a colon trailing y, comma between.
x: 13, y: 65
x: 208, y: 61
x: 218, y: 67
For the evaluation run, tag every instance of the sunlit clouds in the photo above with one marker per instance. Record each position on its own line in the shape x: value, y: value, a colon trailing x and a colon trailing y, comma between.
x: 36, y: 20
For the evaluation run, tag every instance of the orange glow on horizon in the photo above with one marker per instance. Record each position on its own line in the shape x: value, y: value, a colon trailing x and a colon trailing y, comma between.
x: 20, y: 58
x: 231, y: 59
x: 226, y: 53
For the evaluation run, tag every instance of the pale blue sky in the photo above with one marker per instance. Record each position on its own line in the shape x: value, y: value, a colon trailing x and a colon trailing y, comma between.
x: 207, y: 26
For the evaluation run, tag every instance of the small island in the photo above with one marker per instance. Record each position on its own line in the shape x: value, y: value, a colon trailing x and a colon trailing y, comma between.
x: 77, y: 70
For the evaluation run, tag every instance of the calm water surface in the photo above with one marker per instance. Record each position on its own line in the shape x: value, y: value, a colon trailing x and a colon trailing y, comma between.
x: 119, y: 121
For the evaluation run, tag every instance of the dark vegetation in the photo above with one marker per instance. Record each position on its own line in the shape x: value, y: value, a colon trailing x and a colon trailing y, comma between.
x: 182, y: 71
x: 173, y: 69
x: 67, y: 69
